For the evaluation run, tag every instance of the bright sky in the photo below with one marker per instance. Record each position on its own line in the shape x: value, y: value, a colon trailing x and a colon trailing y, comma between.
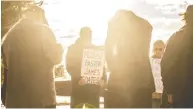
x: 66, y: 17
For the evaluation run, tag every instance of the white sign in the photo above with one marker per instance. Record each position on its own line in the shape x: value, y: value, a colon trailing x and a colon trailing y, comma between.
x: 92, y: 65
x: 156, y: 70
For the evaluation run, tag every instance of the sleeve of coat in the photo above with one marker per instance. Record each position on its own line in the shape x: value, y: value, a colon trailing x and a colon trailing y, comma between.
x: 72, y: 63
x: 69, y: 64
x: 6, y: 41
x: 52, y: 50
x: 168, y: 64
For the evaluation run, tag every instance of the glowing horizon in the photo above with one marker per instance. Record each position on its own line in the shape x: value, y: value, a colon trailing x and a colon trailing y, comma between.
x: 66, y: 17
x: 73, y: 14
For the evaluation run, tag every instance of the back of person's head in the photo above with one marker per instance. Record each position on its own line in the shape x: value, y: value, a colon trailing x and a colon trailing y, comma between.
x: 36, y: 13
x: 120, y: 19
x: 188, y: 15
x: 127, y: 44
x: 130, y: 31
x: 158, y: 48
x: 86, y: 35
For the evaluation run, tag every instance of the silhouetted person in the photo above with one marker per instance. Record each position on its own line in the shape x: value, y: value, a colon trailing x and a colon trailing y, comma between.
x: 4, y: 70
x: 177, y: 62
x: 82, y: 93
x: 127, y: 54
x: 158, y: 48
x: 31, y: 51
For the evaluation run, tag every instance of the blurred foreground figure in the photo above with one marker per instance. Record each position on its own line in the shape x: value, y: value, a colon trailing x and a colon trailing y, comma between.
x: 4, y: 71
x: 177, y: 64
x: 158, y: 48
x: 31, y: 51
x: 82, y: 93
x: 127, y: 54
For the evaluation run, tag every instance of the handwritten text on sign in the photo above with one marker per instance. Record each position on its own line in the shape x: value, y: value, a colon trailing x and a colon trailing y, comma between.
x: 92, y: 65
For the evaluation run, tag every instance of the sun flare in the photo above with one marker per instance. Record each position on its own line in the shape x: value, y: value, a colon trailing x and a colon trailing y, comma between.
x: 73, y: 14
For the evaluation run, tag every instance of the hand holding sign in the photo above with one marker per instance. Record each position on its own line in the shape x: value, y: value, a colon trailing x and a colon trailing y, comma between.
x: 81, y: 82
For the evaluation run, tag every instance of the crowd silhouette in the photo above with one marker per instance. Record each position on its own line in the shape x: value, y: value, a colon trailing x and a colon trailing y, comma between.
x: 30, y: 53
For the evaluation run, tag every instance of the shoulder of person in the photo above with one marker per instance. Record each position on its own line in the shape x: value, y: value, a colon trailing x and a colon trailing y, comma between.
x: 44, y: 26
x: 12, y: 31
x: 36, y: 26
x: 16, y: 26
x: 178, y: 34
x: 174, y: 35
x: 181, y: 30
x: 146, y: 23
x: 72, y: 47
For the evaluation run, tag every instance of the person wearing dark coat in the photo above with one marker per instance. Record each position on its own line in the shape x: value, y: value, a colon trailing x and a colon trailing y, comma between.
x: 3, y: 63
x: 177, y: 64
x: 82, y: 93
x: 4, y: 70
x: 131, y: 83
x: 31, y: 52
